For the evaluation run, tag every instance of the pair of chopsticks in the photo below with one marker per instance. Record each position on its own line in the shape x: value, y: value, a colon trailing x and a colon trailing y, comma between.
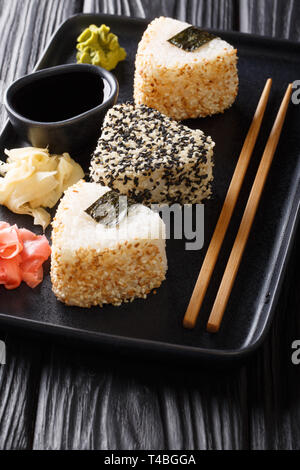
x: 235, y: 258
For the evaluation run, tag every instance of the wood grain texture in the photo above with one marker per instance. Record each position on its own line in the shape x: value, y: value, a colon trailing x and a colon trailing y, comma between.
x: 210, y: 13
x: 278, y: 18
x: 30, y: 22
x: 90, y: 403
x: 55, y: 397
x: 273, y: 381
x: 19, y: 383
x: 86, y: 404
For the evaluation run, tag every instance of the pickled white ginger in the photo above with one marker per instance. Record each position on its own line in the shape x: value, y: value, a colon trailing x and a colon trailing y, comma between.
x: 32, y: 180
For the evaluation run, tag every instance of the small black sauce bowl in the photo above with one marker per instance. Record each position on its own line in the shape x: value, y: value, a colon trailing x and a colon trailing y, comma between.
x: 62, y: 107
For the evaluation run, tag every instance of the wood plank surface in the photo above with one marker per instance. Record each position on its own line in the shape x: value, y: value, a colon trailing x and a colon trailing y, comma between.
x: 19, y: 385
x: 87, y: 402
x: 26, y: 28
x: 210, y: 13
x: 277, y: 18
x: 59, y: 397
x: 273, y: 381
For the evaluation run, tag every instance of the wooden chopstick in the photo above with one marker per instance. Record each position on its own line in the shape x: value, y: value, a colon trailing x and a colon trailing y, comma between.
x: 235, y: 258
x: 226, y: 214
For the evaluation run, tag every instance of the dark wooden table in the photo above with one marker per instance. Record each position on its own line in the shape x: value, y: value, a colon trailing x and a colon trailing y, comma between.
x: 55, y: 396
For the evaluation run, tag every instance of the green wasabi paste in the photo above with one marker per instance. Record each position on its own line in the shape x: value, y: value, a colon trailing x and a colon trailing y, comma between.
x: 98, y: 46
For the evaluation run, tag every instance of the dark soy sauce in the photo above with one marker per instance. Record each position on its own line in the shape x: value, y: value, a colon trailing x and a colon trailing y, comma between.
x: 61, y: 97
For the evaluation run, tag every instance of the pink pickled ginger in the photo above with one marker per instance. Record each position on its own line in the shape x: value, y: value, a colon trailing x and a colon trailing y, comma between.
x: 22, y: 255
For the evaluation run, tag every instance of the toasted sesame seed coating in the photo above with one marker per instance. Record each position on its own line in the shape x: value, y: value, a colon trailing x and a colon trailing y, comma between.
x: 183, y: 84
x: 92, y: 265
x: 109, y: 277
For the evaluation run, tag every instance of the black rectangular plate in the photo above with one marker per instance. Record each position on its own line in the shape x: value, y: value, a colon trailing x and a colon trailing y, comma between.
x: 155, y: 325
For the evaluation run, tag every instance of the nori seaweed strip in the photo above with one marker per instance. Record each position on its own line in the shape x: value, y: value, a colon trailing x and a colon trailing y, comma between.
x: 191, y: 38
x: 110, y: 209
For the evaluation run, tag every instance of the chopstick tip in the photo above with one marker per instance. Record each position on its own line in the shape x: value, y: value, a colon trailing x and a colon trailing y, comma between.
x: 212, y: 327
x: 188, y: 324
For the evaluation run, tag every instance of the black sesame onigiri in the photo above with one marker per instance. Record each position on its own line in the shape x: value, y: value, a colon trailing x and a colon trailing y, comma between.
x: 151, y: 158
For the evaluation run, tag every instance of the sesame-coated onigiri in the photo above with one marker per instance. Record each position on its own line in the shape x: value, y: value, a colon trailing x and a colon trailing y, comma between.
x: 180, y: 83
x: 151, y: 158
x: 95, y: 264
